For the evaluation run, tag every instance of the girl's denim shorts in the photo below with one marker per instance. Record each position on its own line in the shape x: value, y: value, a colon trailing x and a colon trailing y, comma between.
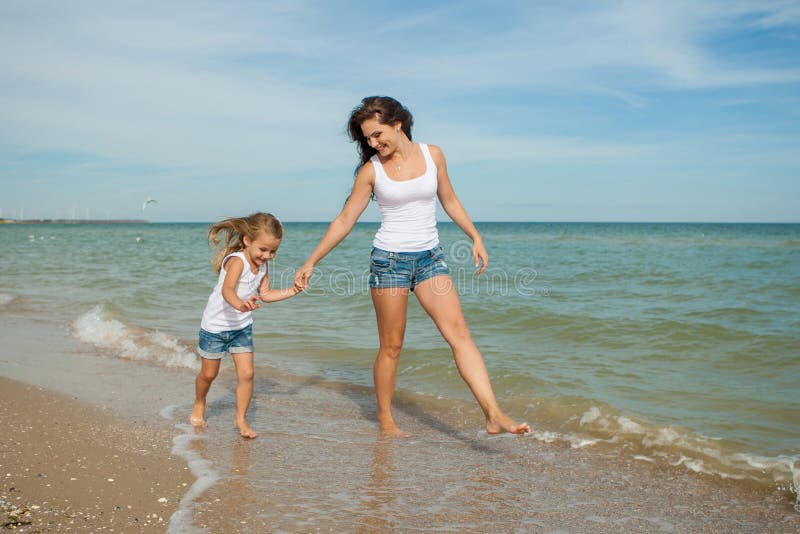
x: 405, y: 269
x: 214, y: 345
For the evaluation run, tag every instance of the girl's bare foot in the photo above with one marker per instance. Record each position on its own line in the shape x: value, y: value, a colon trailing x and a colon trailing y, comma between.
x: 198, y: 419
x: 246, y: 430
x: 503, y: 423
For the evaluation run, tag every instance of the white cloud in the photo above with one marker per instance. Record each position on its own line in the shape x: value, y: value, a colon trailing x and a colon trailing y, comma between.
x: 190, y: 90
x: 623, y: 47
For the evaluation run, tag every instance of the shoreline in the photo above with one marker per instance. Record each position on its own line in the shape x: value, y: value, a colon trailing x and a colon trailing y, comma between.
x: 318, y: 462
x: 70, y: 466
x: 82, y: 450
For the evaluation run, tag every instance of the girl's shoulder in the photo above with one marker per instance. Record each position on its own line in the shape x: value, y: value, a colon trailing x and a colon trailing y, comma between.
x: 238, y: 254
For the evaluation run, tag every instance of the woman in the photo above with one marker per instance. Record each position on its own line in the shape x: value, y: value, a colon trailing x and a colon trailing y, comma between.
x: 406, y: 178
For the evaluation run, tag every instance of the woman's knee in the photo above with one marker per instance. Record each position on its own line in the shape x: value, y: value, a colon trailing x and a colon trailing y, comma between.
x: 457, y: 333
x: 390, y: 350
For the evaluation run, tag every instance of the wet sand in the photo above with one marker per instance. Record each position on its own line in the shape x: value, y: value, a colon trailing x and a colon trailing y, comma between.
x: 330, y: 471
x: 67, y: 466
x: 318, y: 463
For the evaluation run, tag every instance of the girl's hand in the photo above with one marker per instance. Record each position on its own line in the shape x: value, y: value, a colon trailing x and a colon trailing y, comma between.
x: 303, y: 276
x: 250, y: 304
x: 479, y: 256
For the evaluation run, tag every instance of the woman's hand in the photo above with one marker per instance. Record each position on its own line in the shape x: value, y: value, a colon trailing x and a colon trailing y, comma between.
x: 479, y: 256
x: 303, y: 276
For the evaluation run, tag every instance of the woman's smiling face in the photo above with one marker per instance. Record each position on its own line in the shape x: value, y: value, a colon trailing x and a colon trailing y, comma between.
x: 381, y: 137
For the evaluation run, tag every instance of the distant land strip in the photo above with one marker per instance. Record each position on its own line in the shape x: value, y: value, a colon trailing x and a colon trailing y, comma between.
x: 74, y: 221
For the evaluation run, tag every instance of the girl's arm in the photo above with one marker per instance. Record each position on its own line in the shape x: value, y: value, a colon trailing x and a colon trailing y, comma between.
x: 341, y: 225
x: 453, y: 207
x: 274, y: 295
x: 233, y: 270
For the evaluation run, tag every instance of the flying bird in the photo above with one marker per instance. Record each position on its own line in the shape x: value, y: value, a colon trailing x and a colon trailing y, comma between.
x: 148, y: 201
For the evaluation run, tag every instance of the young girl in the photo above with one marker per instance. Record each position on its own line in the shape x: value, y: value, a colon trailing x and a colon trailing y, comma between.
x: 248, y: 243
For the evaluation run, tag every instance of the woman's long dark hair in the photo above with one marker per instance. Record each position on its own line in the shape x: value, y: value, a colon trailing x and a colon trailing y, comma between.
x: 384, y: 108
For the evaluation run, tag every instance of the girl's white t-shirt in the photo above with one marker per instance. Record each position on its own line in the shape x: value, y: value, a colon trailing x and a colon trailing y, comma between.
x: 219, y: 316
x: 408, y: 208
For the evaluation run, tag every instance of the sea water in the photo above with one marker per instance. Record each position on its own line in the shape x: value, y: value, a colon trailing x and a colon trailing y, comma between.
x: 670, y: 343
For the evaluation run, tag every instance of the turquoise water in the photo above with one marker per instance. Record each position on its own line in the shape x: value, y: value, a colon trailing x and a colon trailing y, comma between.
x: 675, y: 343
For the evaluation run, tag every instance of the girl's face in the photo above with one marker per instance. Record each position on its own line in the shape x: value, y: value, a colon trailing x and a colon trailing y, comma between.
x: 261, y: 249
x: 382, y: 137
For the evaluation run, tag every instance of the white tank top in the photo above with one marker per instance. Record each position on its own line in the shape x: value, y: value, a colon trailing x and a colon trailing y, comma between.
x: 219, y: 316
x: 408, y: 208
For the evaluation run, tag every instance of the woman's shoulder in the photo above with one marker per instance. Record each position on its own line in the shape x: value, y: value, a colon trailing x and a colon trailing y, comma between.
x: 367, y: 171
x: 434, y: 150
x: 431, y: 147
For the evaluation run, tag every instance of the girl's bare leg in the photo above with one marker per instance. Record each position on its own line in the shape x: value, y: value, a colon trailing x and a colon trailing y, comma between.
x: 244, y: 391
x: 438, y: 297
x: 208, y: 372
x: 390, y: 313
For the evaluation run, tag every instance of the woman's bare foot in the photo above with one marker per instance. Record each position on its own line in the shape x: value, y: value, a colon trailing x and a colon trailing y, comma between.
x: 389, y: 428
x: 394, y: 432
x: 503, y: 424
x: 198, y: 417
x: 246, y: 430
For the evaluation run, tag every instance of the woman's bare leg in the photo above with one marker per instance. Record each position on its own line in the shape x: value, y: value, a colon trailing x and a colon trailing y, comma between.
x: 438, y: 297
x: 244, y: 391
x: 390, y: 312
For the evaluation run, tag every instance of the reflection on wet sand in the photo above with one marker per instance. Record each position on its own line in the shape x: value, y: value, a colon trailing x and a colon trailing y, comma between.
x: 319, y: 465
x: 376, y: 504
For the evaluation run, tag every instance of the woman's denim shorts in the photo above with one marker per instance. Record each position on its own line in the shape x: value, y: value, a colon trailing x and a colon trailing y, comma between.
x: 405, y: 269
x: 214, y: 345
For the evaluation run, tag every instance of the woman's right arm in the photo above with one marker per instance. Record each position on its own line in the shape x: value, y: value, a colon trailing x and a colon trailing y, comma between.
x: 342, y: 224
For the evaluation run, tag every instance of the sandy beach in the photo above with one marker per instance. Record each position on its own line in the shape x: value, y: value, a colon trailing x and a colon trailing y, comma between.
x: 68, y: 466
x: 86, y: 447
x: 81, y: 450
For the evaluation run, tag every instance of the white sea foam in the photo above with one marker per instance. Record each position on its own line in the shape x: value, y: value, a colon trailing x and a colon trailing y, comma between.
x: 678, y: 447
x: 693, y: 464
x: 546, y: 436
x: 579, y: 443
x: 207, y: 476
x: 629, y: 426
x: 5, y: 299
x: 662, y: 437
x: 132, y: 343
x: 591, y: 415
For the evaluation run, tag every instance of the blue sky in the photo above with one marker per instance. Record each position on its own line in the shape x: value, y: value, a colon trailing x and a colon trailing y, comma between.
x: 546, y: 111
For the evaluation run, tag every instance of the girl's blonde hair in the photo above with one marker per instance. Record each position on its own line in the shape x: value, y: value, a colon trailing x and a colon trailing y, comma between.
x: 228, y: 236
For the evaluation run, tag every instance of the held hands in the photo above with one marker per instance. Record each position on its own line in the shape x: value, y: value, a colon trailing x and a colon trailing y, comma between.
x: 303, y: 276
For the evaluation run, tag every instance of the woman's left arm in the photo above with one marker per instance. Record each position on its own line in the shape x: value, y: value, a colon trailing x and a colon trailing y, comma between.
x: 453, y: 207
